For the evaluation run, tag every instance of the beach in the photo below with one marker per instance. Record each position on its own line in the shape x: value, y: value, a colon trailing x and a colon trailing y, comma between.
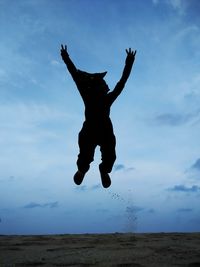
x: 117, y: 249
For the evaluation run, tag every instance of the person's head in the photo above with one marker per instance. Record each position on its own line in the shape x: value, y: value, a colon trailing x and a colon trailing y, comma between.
x: 94, y: 83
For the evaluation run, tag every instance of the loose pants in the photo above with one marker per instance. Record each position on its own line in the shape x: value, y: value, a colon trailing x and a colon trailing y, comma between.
x: 89, y: 138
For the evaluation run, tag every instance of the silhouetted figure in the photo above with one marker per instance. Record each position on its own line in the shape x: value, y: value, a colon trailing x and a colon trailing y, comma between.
x: 97, y: 128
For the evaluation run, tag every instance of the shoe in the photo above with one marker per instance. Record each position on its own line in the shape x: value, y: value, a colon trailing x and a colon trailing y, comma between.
x: 78, y: 177
x: 105, y: 179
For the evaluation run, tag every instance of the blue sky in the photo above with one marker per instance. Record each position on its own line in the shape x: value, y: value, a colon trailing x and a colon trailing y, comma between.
x: 156, y: 177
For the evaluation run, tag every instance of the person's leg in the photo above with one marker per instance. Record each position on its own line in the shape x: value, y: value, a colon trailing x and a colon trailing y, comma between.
x: 108, y: 156
x: 85, y: 156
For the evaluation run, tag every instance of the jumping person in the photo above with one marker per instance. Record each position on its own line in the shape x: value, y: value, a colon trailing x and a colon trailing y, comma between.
x: 97, y: 128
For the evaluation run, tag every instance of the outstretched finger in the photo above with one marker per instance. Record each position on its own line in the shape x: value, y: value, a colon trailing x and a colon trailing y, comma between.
x: 135, y: 52
x: 65, y: 47
x: 62, y: 47
x: 127, y: 51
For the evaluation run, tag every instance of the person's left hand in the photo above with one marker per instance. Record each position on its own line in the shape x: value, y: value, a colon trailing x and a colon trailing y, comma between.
x: 130, y: 55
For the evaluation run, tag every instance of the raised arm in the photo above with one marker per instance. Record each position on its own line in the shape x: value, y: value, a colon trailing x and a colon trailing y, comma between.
x: 130, y: 58
x: 70, y: 65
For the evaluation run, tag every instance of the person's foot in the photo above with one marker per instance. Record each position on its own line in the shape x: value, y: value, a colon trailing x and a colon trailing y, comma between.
x: 78, y: 177
x: 105, y: 178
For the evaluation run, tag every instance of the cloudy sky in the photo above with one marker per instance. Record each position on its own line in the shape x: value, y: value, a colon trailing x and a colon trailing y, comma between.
x: 156, y: 177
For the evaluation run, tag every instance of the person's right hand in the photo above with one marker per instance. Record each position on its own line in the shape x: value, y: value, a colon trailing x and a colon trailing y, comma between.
x: 63, y: 52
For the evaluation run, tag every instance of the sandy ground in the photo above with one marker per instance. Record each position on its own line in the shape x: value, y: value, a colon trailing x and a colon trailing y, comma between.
x: 139, y: 250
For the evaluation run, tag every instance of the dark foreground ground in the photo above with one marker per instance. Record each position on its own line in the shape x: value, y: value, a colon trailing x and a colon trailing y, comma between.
x: 139, y: 250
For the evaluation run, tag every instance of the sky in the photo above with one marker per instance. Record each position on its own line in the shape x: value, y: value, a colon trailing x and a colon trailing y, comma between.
x: 156, y: 177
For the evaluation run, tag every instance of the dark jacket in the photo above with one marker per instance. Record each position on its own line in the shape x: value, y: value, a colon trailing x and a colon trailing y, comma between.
x: 95, y: 93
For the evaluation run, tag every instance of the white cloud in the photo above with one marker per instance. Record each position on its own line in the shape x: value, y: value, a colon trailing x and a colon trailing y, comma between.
x: 178, y: 5
x: 155, y: 2
x: 33, y: 137
x: 55, y: 62
x: 26, y: 115
x: 2, y: 74
x: 192, y: 29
